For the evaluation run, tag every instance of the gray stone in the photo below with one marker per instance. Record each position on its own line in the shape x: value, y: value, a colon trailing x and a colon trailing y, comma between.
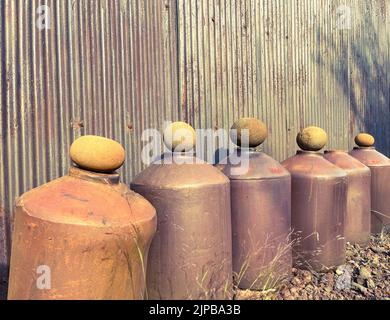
x: 344, y: 280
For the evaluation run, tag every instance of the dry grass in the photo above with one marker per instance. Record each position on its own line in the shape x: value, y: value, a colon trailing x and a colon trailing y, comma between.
x: 270, y: 276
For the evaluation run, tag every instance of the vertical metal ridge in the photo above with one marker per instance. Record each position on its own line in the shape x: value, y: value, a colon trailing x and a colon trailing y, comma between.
x: 4, y: 231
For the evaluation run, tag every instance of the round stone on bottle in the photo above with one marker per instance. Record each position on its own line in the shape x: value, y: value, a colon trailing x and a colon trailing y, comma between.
x: 364, y: 140
x: 312, y: 139
x: 257, y: 132
x: 98, y: 154
x: 179, y: 137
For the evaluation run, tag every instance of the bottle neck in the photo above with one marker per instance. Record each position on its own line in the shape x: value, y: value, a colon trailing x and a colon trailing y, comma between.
x: 312, y: 153
x: 364, y: 148
x: 335, y: 151
x: 104, y: 178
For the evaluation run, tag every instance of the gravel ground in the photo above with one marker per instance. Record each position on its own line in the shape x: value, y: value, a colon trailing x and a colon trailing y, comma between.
x: 366, y: 275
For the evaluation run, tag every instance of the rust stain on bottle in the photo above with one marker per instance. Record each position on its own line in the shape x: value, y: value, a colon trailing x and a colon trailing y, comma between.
x: 317, y: 211
x: 379, y: 165
x: 261, y: 220
x: 358, y: 214
x: 90, y: 231
x: 191, y: 255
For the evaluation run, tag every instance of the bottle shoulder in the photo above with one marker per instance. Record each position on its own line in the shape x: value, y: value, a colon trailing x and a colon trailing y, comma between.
x: 70, y: 200
x: 252, y: 166
x: 346, y: 162
x: 370, y: 157
x: 315, y: 166
x: 184, y: 173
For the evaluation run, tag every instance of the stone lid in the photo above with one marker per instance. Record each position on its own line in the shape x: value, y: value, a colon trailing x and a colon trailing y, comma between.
x: 312, y: 138
x: 258, y: 132
x: 97, y: 154
x: 179, y: 137
x: 364, y: 140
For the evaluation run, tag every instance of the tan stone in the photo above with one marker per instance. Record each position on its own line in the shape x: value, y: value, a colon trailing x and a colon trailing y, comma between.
x: 97, y: 154
x: 364, y: 140
x: 257, y: 131
x: 179, y: 137
x: 312, y: 139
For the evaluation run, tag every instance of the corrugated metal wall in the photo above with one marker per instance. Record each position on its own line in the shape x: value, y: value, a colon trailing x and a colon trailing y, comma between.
x: 117, y: 67
x: 104, y: 67
x: 291, y: 63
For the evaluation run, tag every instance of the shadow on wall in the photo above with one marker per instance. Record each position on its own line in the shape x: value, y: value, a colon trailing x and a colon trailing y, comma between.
x: 364, y: 76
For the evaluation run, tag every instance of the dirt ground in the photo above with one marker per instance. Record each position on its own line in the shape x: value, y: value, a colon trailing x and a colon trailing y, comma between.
x: 365, y: 276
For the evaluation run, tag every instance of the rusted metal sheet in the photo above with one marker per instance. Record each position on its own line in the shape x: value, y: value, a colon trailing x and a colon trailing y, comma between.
x: 104, y: 67
x: 116, y: 67
x: 291, y: 63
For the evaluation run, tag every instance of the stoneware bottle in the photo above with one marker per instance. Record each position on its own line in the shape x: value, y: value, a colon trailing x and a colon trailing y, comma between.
x: 358, y: 213
x: 318, y: 204
x: 191, y: 255
x: 261, y: 210
x: 85, y: 235
x: 379, y: 165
